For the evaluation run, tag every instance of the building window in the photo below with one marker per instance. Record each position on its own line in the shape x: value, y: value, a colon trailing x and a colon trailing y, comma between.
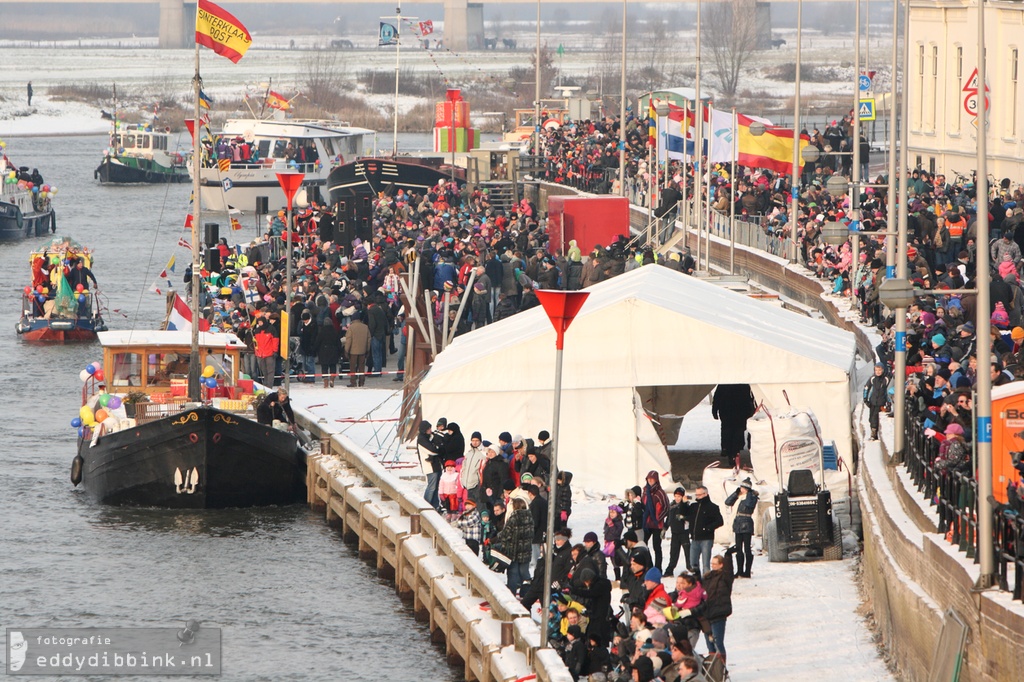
x: 920, y: 86
x: 1012, y: 127
x: 955, y: 101
x: 935, y: 88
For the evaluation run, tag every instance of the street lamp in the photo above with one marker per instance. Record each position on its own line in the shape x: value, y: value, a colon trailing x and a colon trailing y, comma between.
x: 290, y: 183
x: 622, y: 110
x: 795, y: 189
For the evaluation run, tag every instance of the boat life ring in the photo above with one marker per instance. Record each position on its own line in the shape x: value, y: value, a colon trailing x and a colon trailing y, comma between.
x: 193, y: 437
x: 216, y: 438
x: 76, y: 469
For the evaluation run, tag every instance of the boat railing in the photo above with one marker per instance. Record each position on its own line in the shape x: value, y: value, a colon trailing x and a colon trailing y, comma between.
x: 148, y: 412
x: 272, y: 164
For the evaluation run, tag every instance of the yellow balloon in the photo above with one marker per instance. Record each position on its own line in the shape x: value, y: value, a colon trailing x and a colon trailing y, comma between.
x: 87, y: 415
x: 209, y: 371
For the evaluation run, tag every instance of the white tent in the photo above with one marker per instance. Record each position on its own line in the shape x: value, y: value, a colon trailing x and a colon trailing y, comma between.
x: 649, y: 341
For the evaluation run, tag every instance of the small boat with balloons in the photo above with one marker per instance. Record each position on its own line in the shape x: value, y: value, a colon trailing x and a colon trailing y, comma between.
x: 60, y: 305
x: 142, y: 441
x: 25, y: 202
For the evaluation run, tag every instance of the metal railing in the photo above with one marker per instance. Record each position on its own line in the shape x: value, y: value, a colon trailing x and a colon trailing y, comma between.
x: 955, y: 498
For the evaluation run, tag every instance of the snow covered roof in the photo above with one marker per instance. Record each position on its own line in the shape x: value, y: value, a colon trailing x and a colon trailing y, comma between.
x: 153, y: 337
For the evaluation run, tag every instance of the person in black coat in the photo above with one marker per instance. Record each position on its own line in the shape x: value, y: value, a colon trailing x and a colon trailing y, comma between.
x: 539, y: 509
x: 733, y: 404
x: 717, y: 606
x: 705, y: 517
x: 276, y: 406
x: 575, y: 653
x: 431, y: 451
x: 678, y: 512
x: 594, y: 591
x: 743, y: 525
x: 876, y: 396
x: 494, y: 476
x: 328, y: 348
x: 561, y: 564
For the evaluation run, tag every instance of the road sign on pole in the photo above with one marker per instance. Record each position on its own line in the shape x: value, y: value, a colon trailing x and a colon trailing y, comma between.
x: 866, y: 110
x: 865, y: 83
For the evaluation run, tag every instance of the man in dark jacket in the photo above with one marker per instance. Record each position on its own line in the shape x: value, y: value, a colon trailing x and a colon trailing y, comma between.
x: 876, y: 396
x: 678, y: 512
x: 494, y: 476
x: 561, y: 563
x: 743, y: 525
x: 733, y: 404
x: 378, y: 324
x: 704, y: 518
x: 430, y: 452
x: 717, y: 606
x: 539, y: 511
x: 595, y: 593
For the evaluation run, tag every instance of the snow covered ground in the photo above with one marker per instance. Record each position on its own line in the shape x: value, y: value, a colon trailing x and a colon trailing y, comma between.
x: 794, y: 621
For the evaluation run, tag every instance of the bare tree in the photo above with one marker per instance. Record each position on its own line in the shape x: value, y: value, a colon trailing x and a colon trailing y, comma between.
x: 731, y: 32
x: 325, y: 77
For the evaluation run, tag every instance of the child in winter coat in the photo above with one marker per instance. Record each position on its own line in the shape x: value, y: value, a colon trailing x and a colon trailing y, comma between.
x: 633, y: 509
x: 470, y: 525
x: 449, y: 489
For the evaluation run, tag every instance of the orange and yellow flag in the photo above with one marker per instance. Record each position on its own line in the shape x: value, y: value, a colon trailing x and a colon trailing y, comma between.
x: 219, y: 30
x: 278, y: 101
x: 772, y: 150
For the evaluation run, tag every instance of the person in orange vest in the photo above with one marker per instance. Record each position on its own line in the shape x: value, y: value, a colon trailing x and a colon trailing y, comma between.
x: 957, y: 225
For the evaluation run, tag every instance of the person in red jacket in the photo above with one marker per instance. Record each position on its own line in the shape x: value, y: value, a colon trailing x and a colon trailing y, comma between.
x: 655, y: 513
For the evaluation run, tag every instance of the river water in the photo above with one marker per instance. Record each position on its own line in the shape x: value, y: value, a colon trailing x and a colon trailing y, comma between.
x: 294, y: 602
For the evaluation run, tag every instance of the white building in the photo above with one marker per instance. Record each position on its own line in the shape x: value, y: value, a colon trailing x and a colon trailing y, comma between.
x: 943, y: 59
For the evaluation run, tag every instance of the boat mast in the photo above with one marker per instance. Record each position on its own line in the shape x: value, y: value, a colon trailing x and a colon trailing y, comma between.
x: 194, y: 369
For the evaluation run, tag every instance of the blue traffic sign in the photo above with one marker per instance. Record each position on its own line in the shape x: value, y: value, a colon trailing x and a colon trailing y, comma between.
x: 865, y: 83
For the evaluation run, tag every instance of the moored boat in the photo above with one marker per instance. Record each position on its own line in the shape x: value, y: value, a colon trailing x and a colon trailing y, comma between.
x: 59, y: 305
x: 25, y: 209
x: 243, y: 162
x: 141, y: 154
x: 173, y: 451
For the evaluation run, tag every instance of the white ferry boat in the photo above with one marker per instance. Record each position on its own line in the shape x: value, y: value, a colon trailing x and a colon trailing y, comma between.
x: 247, y: 155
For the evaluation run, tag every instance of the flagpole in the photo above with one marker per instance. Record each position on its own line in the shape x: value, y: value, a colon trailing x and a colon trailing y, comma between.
x: 194, y: 368
x: 709, y: 202
x: 698, y: 143
x: 685, y: 173
x: 732, y: 196
x: 622, y: 110
x: 795, y: 189
x: 398, y: 51
x: 536, y: 92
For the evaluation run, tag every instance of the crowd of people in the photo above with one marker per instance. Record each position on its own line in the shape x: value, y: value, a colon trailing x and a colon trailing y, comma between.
x: 497, y: 495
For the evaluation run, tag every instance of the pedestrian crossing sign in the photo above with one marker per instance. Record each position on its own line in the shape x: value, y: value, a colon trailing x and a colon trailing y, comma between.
x: 866, y: 110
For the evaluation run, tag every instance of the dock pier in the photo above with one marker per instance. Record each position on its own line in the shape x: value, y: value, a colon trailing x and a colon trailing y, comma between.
x: 468, y: 607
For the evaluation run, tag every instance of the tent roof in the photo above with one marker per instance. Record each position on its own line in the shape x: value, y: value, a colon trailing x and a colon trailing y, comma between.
x: 680, y: 302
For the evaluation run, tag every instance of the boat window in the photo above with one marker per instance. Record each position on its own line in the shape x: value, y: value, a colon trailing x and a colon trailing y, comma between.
x: 223, y: 364
x: 160, y: 142
x: 329, y: 146
x: 162, y: 367
x: 279, y: 148
x: 144, y: 142
x: 264, y: 147
x: 127, y: 369
x: 129, y: 141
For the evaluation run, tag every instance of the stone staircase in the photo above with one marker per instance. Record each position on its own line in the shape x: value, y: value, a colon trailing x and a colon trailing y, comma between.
x: 502, y: 195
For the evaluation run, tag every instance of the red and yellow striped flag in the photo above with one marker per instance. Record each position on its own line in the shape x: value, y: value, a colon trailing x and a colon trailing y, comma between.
x: 219, y: 30
x: 772, y: 150
x: 224, y: 164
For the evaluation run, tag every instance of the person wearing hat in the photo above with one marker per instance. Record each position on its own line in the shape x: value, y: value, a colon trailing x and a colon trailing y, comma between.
x: 876, y: 396
x: 678, y: 511
x: 656, y: 598
x: 574, y: 654
x: 469, y: 523
x: 514, y: 541
x: 449, y: 489
x: 743, y: 525
x: 473, y: 466
x: 561, y: 567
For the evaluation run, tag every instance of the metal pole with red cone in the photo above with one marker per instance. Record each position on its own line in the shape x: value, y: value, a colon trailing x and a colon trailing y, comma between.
x: 561, y: 308
x: 290, y: 183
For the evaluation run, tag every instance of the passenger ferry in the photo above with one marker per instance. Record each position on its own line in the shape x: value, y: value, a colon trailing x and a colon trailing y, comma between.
x: 140, y: 154
x: 231, y: 180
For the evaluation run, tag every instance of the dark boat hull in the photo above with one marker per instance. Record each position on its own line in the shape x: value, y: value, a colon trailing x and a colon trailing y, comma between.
x: 111, y: 171
x: 59, y: 331
x: 381, y: 174
x: 16, y: 225
x: 239, y: 463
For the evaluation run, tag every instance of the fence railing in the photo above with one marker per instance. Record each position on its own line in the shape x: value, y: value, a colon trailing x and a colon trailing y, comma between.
x: 955, y: 498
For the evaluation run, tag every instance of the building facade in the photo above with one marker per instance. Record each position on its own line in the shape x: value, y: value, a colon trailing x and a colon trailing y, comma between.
x: 944, y: 92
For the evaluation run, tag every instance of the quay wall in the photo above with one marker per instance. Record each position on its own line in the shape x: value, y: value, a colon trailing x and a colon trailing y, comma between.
x: 484, y: 629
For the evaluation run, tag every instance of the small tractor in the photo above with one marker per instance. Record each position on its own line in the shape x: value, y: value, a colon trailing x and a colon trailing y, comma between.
x: 803, y: 518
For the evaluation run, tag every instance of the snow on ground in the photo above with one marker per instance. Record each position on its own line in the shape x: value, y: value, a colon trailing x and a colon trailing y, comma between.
x: 788, y: 619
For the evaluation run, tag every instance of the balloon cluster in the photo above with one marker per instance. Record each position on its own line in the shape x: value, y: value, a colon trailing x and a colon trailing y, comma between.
x: 95, y: 370
x: 209, y: 378
x: 89, y: 417
x: 42, y: 190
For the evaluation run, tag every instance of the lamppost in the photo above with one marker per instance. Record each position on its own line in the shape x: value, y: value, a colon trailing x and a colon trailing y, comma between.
x: 290, y: 183
x: 536, y: 92
x: 622, y: 110
x: 698, y: 143
x: 795, y: 189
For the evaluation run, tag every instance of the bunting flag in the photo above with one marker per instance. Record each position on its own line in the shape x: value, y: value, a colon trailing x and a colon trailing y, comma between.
x: 652, y: 124
x: 226, y: 184
x: 277, y: 101
x: 154, y: 289
x: 219, y: 30
x: 224, y: 165
x: 180, y: 318
x: 168, y: 268
x: 388, y: 34
x: 773, y: 150
x: 188, y: 222
x: 235, y: 225
x: 205, y: 101
x: 426, y: 27
x: 182, y: 242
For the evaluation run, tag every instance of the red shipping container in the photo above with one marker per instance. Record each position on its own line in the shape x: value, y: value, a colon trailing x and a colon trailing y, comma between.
x: 588, y: 220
